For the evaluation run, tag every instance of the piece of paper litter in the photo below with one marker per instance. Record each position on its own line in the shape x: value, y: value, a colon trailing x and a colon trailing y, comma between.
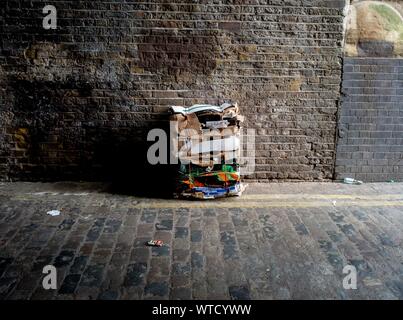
x: 53, y: 213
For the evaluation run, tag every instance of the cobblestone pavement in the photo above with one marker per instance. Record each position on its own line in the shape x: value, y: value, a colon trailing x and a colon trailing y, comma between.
x: 278, y: 241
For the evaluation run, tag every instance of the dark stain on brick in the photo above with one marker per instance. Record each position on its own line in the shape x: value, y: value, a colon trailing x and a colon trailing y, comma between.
x: 173, y: 53
x: 233, y: 26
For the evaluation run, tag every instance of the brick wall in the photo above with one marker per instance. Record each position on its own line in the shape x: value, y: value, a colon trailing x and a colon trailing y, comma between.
x: 370, y: 145
x: 77, y: 102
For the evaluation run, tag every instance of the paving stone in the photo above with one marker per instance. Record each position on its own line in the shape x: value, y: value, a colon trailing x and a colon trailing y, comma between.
x: 92, y: 276
x: 40, y: 263
x: 112, y: 226
x: 180, y: 281
x: 182, y: 221
x: 396, y: 287
x: 159, y: 266
x: 164, y: 236
x: 180, y: 268
x: 164, y: 225
x: 196, y: 235
x: 4, y: 263
x: 335, y: 236
x: 145, y: 230
x: 181, y: 232
x: 180, y: 254
x: 181, y: 294
x: 197, y: 260
x: 69, y: 284
x: 211, y: 253
x: 64, y: 258
x: 159, y: 289
x: 140, y: 254
x: 239, y: 293
x: 108, y: 295
x: 363, y: 268
x: 86, y: 249
x: 141, y: 242
x: 79, y: 264
x: 135, y: 274
x: 67, y: 224
x: 161, y: 251
x: 148, y: 216
x: 7, y: 284
x: 94, y: 233
x: 386, y: 241
x: 209, y: 213
x: 228, y: 238
x: 347, y: 229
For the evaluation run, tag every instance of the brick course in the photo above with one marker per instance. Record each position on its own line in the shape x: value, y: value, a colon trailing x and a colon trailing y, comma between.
x: 370, y: 143
x: 77, y: 100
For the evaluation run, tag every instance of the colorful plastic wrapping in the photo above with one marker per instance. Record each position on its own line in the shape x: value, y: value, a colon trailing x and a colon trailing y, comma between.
x: 207, y: 147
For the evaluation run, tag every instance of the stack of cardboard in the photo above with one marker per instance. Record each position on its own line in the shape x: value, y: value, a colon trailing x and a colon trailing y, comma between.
x: 207, y: 148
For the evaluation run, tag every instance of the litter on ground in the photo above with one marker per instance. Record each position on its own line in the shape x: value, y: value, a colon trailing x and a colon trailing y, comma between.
x: 53, y: 213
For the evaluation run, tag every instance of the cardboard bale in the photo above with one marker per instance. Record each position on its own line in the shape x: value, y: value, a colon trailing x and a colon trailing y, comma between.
x: 208, y: 145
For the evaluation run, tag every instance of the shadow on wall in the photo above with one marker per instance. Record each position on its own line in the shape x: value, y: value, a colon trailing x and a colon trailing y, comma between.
x: 124, y: 163
x: 55, y: 140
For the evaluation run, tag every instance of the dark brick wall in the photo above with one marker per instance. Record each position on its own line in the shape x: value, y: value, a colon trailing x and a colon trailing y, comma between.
x: 77, y: 102
x: 370, y: 145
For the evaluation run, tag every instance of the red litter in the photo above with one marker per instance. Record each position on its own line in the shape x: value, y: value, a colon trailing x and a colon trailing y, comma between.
x: 155, y: 243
